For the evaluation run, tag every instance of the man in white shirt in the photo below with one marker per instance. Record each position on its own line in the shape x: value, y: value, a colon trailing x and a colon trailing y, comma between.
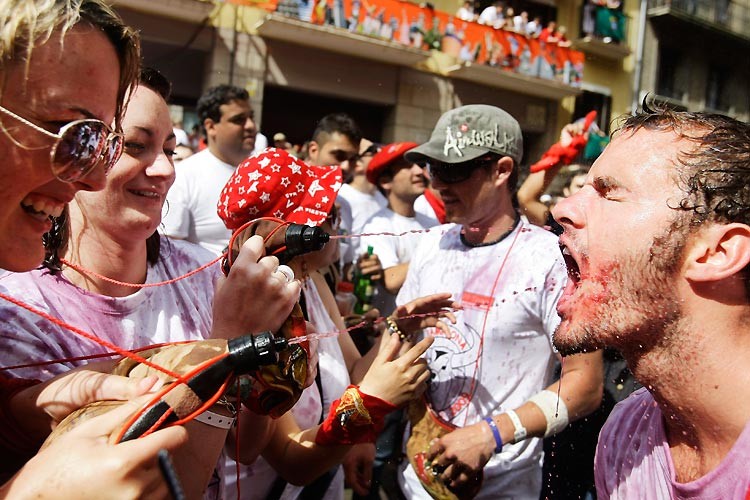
x: 402, y: 182
x: 492, y: 15
x: 491, y: 374
x: 190, y: 212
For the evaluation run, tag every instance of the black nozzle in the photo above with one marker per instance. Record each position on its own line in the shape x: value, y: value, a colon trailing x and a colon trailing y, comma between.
x: 246, y: 355
x: 301, y: 239
x: 249, y: 352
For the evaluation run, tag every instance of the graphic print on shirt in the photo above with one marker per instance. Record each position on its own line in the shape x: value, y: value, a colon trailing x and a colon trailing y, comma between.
x: 455, y: 359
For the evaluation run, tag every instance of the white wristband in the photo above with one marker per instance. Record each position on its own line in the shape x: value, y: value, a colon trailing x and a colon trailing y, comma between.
x: 554, y: 409
x: 215, y: 420
x: 519, y: 431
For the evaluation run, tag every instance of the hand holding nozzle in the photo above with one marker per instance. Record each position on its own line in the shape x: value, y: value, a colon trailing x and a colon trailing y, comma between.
x: 245, y: 355
x: 294, y: 240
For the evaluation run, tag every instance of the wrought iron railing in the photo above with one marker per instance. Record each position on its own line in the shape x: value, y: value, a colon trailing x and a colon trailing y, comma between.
x: 730, y: 15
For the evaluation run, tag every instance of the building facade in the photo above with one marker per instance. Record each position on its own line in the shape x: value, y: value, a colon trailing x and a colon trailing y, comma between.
x: 301, y: 59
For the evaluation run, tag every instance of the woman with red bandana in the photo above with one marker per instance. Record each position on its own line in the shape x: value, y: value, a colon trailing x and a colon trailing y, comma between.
x: 275, y: 184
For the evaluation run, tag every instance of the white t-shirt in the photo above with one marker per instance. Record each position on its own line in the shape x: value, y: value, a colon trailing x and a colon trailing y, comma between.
x: 356, y: 208
x: 491, y: 17
x: 499, y: 352
x: 170, y: 313
x: 261, y: 143
x: 392, y: 250
x: 190, y: 211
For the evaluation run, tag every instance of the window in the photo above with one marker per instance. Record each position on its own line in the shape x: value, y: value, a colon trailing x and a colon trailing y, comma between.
x: 716, y: 88
x: 669, y: 62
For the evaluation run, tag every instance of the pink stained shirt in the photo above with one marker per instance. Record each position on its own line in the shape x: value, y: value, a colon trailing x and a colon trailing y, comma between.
x: 633, y: 459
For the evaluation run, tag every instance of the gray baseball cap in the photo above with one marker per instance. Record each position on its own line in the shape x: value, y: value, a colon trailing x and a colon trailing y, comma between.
x: 468, y: 132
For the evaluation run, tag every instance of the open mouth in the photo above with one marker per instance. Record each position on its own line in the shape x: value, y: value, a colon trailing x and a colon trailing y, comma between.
x: 41, y: 209
x: 574, y: 272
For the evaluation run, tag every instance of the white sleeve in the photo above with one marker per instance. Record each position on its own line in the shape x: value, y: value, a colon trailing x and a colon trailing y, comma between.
x: 410, y: 289
x: 176, y: 214
x: 385, y: 247
x: 348, y: 246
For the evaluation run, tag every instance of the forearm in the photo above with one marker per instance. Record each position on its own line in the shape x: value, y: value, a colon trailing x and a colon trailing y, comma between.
x: 579, y: 395
x: 531, y: 190
x: 394, y: 277
x: 581, y: 384
x: 23, y: 411
x: 297, y: 458
x: 359, y: 370
x: 253, y: 433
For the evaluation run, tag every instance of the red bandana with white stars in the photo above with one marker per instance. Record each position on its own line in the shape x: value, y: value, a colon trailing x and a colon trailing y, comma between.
x: 274, y: 183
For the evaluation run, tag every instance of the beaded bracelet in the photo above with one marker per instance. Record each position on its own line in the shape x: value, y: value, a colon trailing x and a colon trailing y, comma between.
x: 394, y: 329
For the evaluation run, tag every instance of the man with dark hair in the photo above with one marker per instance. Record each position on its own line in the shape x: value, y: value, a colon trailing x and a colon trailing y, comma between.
x: 228, y: 123
x: 492, y: 372
x: 358, y: 200
x: 335, y: 142
x: 657, y: 244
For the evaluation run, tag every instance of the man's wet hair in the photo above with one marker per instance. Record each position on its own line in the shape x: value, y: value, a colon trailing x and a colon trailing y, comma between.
x: 714, y: 173
x: 337, y: 122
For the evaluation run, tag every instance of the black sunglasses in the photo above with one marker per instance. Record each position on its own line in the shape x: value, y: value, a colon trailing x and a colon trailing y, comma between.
x: 453, y: 173
x: 371, y: 150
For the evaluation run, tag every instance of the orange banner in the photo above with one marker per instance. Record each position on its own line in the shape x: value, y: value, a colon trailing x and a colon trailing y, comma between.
x: 424, y: 28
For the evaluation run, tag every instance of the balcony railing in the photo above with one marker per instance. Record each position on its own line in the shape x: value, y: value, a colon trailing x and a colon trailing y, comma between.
x: 421, y: 28
x: 728, y: 15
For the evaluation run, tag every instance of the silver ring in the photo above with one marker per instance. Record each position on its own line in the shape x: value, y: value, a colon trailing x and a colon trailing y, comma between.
x: 287, y: 272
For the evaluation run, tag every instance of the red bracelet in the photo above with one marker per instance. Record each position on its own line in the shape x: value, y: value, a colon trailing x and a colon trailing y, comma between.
x: 355, y: 418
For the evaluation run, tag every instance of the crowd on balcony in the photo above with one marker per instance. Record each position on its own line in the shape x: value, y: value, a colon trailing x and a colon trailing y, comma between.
x: 496, y: 37
x: 499, y: 16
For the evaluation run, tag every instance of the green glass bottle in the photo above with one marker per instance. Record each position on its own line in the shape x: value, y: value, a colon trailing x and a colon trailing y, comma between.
x: 363, y: 289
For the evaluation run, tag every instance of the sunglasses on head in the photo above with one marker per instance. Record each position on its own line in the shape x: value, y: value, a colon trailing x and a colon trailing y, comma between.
x: 371, y: 150
x: 341, y: 156
x: 453, y: 173
x: 79, y: 146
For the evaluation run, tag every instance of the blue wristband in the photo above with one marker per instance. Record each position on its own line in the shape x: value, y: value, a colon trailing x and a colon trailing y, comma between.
x: 496, y: 433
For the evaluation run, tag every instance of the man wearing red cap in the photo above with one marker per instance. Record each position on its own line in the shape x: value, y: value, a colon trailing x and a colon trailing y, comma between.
x: 402, y: 182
